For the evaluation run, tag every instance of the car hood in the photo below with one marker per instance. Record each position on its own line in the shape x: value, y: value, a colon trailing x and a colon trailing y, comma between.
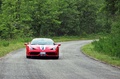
x: 43, y: 47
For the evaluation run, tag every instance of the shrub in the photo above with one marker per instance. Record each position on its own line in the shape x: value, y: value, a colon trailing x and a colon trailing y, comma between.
x: 5, y: 43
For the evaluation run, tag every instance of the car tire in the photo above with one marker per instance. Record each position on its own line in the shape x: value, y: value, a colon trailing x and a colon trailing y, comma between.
x: 57, y: 57
x: 28, y: 56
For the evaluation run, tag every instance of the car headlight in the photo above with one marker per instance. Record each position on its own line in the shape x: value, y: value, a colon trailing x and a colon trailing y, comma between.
x: 31, y: 48
x: 54, y: 48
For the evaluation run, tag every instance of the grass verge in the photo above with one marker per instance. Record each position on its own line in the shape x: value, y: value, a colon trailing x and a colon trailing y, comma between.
x: 89, y: 51
x: 7, y: 46
x: 6, y: 49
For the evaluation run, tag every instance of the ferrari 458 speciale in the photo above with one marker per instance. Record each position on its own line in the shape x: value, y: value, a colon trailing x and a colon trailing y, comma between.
x: 42, y: 47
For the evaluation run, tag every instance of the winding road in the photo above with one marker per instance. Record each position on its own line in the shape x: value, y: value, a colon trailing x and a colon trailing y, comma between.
x: 72, y: 64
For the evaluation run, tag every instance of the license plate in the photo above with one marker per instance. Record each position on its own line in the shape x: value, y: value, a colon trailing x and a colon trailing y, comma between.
x: 42, y: 53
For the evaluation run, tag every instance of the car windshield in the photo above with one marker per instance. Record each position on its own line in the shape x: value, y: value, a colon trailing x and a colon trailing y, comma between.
x: 42, y: 42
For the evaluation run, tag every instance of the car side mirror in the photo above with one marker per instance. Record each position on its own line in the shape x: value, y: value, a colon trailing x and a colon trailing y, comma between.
x: 25, y: 43
x: 57, y: 44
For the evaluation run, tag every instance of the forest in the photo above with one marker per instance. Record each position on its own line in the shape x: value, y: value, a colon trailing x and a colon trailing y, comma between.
x: 26, y: 18
x: 37, y: 18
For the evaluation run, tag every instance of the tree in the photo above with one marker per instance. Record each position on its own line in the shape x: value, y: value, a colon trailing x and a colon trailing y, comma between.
x: 45, y: 17
x: 13, y: 17
x: 0, y: 4
x: 87, y: 16
x: 111, y: 7
x: 69, y: 18
x: 111, y: 44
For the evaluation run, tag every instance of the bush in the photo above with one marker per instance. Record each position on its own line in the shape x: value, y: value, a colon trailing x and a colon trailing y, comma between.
x: 5, y: 43
x: 110, y: 45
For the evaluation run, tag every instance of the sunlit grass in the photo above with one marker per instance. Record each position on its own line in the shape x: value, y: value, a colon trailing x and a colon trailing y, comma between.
x: 7, y: 46
x: 6, y: 49
x: 89, y: 50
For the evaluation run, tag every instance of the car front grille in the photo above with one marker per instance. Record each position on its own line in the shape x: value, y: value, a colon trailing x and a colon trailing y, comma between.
x: 34, y: 53
x: 50, y: 53
x: 37, y: 53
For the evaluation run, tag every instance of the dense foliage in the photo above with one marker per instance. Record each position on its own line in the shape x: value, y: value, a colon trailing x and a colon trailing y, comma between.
x: 21, y: 18
x: 110, y: 45
x: 36, y: 18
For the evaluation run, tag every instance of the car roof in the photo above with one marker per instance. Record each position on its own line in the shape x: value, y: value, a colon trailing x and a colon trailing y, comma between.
x: 44, y: 39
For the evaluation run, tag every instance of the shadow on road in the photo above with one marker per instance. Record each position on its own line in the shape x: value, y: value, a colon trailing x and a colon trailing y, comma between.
x: 43, y: 58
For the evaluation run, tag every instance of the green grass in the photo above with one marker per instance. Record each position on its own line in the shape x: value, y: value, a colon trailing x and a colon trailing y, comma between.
x: 7, y: 46
x: 89, y: 50
x: 6, y: 49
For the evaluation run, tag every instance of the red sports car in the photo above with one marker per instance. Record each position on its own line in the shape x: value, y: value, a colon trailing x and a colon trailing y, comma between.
x: 42, y: 47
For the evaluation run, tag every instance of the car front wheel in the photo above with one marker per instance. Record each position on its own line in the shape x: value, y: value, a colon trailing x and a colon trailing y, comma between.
x: 57, y: 57
x: 28, y: 56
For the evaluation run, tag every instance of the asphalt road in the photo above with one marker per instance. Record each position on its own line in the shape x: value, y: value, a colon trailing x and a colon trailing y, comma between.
x: 72, y: 64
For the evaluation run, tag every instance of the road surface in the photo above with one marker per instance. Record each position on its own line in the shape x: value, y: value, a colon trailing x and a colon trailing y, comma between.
x: 72, y: 64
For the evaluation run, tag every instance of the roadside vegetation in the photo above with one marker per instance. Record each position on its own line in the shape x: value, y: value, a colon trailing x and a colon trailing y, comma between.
x: 9, y: 45
x: 63, y: 20
x: 101, y: 56
x: 107, y: 48
x: 6, y: 46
